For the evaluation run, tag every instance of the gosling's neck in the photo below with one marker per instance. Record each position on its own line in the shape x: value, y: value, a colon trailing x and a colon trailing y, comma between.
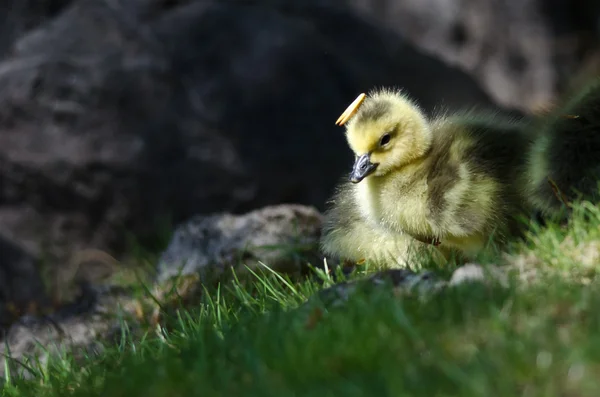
x: 417, y: 149
x: 422, y: 143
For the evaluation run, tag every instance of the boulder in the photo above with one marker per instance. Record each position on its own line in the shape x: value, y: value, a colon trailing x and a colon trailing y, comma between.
x: 19, y: 16
x: 523, y: 53
x: 283, y: 237
x: 21, y: 288
x: 80, y: 330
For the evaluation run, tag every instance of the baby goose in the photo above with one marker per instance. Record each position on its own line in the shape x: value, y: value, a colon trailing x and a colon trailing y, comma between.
x: 449, y: 180
x: 564, y: 163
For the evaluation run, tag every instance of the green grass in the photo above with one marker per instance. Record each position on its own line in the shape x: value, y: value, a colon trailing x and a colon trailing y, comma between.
x: 540, y: 336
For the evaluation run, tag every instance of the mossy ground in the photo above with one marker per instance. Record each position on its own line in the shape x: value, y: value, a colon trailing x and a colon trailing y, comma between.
x: 538, y: 336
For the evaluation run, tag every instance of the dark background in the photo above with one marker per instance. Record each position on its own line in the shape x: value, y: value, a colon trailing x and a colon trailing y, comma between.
x: 122, y: 117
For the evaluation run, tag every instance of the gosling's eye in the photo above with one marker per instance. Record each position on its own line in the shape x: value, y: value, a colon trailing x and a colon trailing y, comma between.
x: 385, y: 139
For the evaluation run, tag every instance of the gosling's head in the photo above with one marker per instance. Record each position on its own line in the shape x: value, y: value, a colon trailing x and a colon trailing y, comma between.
x: 387, y: 132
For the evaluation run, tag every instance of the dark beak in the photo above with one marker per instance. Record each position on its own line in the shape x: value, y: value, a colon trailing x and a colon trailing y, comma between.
x: 362, y: 168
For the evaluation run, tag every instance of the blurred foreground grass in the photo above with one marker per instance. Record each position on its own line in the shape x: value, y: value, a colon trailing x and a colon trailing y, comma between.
x: 538, y: 336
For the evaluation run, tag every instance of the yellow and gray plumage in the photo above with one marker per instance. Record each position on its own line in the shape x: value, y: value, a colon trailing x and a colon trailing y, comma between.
x: 452, y: 179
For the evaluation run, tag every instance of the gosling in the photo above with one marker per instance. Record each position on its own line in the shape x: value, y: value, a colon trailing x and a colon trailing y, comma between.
x: 453, y: 181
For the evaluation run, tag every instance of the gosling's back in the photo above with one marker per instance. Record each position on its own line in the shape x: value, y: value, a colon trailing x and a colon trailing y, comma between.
x: 567, y: 152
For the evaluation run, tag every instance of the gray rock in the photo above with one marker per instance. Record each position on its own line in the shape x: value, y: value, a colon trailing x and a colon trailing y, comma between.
x: 32, y: 345
x: 522, y: 52
x: 21, y: 287
x: 471, y: 272
x: 403, y: 281
x: 80, y: 329
x: 282, y: 237
x: 406, y: 282
x: 19, y: 16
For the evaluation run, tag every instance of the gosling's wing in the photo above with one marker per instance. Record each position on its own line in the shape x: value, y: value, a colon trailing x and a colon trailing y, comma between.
x: 347, y: 235
x: 500, y: 145
x: 474, y: 179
